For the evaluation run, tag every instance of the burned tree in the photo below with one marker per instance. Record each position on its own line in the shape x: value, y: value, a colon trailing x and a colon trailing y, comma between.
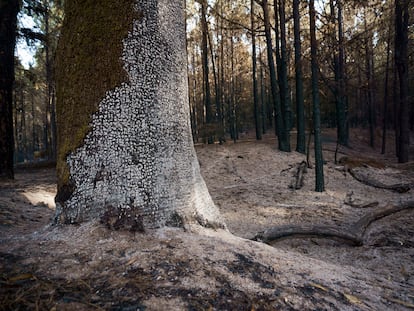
x: 8, y: 21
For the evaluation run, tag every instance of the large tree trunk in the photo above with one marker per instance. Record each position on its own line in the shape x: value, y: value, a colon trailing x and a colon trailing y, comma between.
x: 8, y: 20
x: 125, y: 153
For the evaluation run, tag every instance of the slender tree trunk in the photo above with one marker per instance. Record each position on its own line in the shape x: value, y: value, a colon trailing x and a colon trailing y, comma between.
x: 50, y: 139
x: 206, y: 80
x: 216, y: 86
x: 283, y: 75
x: 320, y: 184
x: 192, y: 83
x: 218, y: 117
x: 279, y: 123
x: 277, y: 47
x: 254, y: 73
x: 126, y: 155
x: 232, y: 107
x: 263, y: 96
x: 401, y: 63
x: 384, y: 114
x: 300, y: 106
x: 396, y: 106
x: 15, y: 127
x: 51, y: 103
x: 341, y: 102
x: 221, y: 75
x: 8, y: 21
x: 23, y: 131
x: 369, y: 76
x: 33, y: 124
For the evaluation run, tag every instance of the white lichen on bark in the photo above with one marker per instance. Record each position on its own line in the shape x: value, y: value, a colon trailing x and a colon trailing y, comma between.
x: 138, y: 159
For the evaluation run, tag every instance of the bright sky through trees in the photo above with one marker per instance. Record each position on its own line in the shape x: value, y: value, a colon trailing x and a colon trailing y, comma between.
x: 25, y: 51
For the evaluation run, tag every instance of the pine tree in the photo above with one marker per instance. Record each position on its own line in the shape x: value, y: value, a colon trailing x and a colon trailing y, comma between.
x: 125, y: 153
x: 8, y: 21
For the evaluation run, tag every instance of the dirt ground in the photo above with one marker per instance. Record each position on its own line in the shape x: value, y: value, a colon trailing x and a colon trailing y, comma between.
x: 87, y: 267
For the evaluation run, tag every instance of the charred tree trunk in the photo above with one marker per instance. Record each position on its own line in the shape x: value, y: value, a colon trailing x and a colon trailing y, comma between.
x: 341, y: 102
x: 369, y: 72
x: 8, y: 22
x: 254, y: 73
x: 279, y: 123
x: 401, y: 64
x: 283, y: 76
x: 126, y: 155
x: 300, y: 107
x: 387, y: 74
x: 320, y: 183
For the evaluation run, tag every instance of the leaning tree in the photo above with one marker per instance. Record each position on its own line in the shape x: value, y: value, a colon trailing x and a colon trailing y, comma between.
x: 125, y: 152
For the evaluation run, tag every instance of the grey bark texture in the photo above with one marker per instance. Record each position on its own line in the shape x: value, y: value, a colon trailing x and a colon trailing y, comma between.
x: 137, y: 167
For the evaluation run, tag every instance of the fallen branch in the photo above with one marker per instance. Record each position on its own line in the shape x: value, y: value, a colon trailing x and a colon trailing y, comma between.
x: 353, y: 235
x: 400, y: 187
x: 363, y: 224
x: 321, y: 231
x: 299, y: 176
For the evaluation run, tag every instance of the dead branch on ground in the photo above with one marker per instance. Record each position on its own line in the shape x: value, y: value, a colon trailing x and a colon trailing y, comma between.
x: 301, y: 170
x: 352, y: 235
x: 367, y: 180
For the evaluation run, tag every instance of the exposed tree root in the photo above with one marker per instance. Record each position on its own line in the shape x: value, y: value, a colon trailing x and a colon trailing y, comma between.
x: 352, y: 235
x: 321, y: 231
x: 400, y: 187
x: 362, y: 224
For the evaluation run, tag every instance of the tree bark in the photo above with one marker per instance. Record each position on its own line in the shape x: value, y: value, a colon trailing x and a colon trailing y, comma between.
x: 254, y: 74
x: 369, y: 72
x: 279, y: 123
x: 387, y: 74
x: 126, y: 155
x: 341, y: 102
x: 300, y: 106
x: 283, y: 73
x: 401, y: 63
x: 319, y: 183
x: 206, y: 78
x: 8, y: 22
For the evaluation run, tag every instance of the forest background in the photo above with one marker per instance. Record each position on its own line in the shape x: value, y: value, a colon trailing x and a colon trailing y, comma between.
x: 232, y: 45
x: 256, y: 69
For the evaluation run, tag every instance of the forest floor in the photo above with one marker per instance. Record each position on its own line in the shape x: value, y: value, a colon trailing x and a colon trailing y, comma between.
x: 87, y: 267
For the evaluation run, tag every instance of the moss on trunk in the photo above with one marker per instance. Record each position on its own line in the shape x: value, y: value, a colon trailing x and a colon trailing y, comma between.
x: 88, y: 65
